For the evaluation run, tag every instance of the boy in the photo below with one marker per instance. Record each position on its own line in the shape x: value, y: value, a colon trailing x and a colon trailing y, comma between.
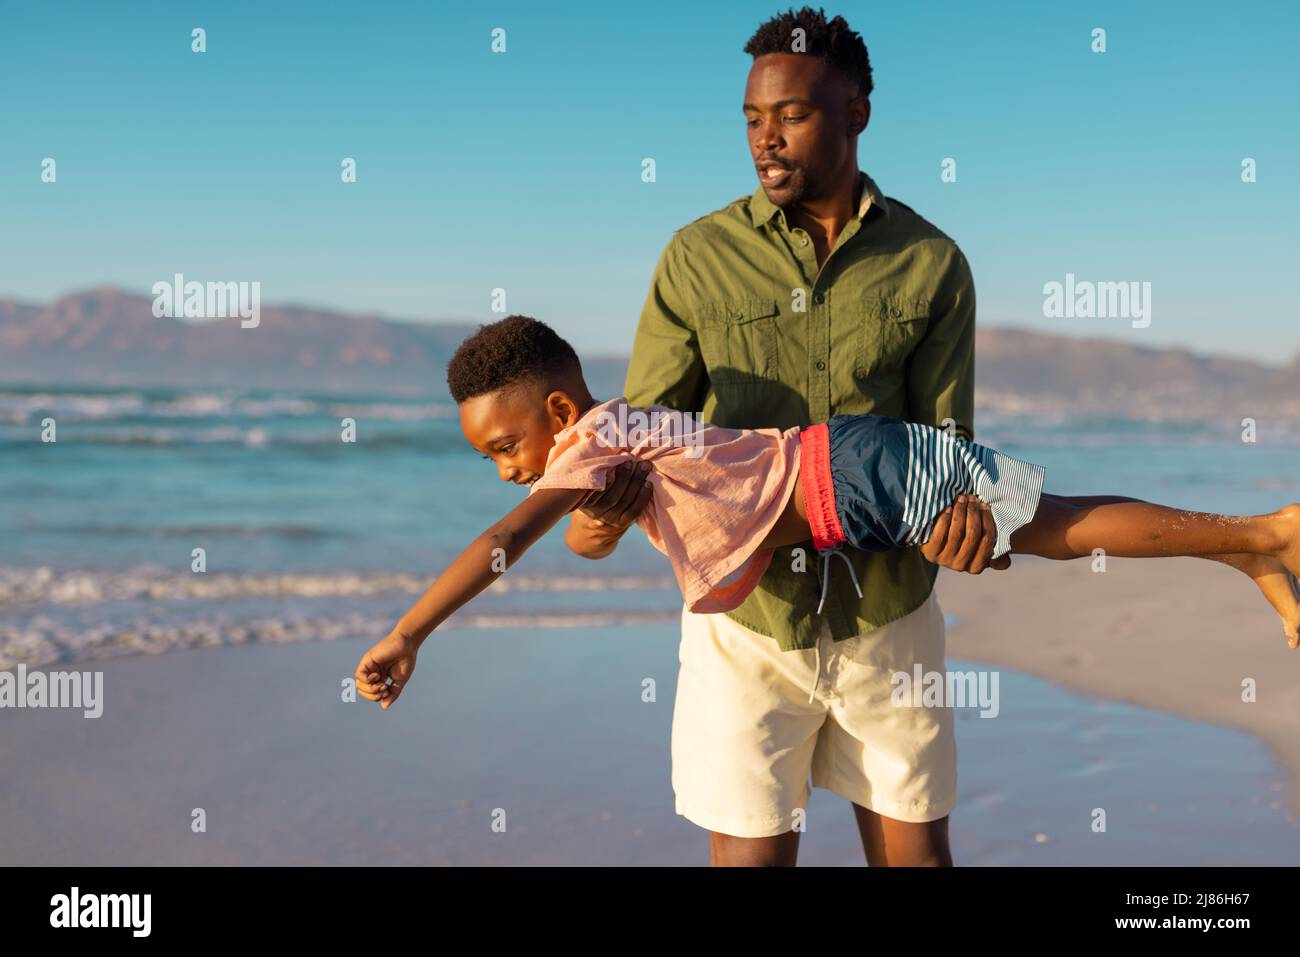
x: 724, y: 499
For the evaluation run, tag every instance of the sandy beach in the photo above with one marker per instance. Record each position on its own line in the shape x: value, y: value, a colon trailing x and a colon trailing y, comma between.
x: 1178, y: 635
x: 549, y: 728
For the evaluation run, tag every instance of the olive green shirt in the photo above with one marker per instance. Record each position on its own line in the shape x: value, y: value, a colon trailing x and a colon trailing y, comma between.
x: 742, y: 327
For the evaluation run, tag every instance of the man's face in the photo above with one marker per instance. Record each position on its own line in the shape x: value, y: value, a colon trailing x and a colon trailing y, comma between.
x: 515, y: 428
x: 802, y: 116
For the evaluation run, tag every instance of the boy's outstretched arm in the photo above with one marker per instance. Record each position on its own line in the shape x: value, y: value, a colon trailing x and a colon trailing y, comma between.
x: 497, y: 549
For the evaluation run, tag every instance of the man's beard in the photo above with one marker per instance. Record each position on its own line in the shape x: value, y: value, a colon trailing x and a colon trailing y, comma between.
x: 797, y: 189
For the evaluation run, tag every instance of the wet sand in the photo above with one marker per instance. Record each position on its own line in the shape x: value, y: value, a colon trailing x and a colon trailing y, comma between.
x: 549, y: 728
x: 1179, y: 635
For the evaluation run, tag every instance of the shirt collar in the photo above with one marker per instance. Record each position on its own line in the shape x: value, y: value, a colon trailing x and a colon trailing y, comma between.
x: 762, y: 209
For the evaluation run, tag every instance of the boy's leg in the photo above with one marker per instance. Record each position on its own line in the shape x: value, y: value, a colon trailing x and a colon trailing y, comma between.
x: 1242, y: 561
x: 1063, y: 530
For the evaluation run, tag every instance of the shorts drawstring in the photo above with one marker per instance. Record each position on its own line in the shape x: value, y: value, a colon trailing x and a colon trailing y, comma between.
x: 826, y: 554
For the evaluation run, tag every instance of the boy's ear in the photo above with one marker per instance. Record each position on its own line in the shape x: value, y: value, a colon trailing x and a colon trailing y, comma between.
x: 562, y: 408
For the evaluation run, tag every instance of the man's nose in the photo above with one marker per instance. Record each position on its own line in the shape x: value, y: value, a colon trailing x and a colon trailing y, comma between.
x: 767, y: 137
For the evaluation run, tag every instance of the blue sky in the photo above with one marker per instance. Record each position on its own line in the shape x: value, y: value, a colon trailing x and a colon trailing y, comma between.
x: 522, y: 170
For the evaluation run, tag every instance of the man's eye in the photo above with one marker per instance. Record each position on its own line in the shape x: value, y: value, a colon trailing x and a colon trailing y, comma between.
x: 508, y: 449
x: 795, y: 119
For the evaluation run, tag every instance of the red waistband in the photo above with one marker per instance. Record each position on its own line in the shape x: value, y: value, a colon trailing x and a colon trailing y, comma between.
x: 818, y: 491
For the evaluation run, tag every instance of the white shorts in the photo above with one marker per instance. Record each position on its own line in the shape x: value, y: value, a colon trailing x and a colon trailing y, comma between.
x: 745, y: 736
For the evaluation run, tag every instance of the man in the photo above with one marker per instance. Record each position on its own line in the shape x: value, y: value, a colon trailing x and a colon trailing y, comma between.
x: 816, y: 295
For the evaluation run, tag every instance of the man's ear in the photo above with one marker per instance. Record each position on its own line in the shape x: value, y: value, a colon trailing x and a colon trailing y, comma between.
x: 859, y: 115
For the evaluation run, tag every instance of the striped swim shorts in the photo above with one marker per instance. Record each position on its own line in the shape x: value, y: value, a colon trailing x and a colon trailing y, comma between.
x: 875, y: 482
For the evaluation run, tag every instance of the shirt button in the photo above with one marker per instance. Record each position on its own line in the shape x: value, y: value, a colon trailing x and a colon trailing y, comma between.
x: 737, y: 316
x: 803, y: 242
x: 821, y: 366
x: 897, y: 312
x: 819, y: 298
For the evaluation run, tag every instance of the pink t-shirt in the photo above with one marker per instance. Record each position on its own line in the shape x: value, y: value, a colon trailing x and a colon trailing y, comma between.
x: 715, y: 492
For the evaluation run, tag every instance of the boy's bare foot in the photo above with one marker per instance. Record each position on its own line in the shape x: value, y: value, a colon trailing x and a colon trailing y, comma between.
x: 1279, y: 587
x: 1287, y: 527
x: 1277, y: 583
x: 1292, y: 628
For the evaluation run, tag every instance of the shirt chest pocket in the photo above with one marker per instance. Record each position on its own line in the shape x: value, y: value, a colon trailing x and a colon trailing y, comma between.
x: 738, y: 340
x: 891, y: 327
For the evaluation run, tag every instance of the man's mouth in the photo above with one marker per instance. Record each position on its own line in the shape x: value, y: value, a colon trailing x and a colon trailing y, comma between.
x: 773, y: 175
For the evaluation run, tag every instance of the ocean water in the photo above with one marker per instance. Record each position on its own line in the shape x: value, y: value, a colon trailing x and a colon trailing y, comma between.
x: 306, y: 536
x: 309, y: 538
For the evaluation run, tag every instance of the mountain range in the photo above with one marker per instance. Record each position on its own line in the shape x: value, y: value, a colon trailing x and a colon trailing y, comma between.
x: 106, y: 337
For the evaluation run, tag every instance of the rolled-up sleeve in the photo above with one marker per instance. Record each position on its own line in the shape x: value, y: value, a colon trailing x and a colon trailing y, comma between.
x: 666, y: 366
x: 941, y: 369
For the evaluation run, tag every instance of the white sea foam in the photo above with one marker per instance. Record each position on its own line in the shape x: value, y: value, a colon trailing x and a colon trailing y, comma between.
x: 42, y: 641
x: 44, y: 585
x: 21, y: 407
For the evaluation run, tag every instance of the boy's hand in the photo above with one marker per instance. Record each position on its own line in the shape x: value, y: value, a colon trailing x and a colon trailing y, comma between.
x: 394, y: 657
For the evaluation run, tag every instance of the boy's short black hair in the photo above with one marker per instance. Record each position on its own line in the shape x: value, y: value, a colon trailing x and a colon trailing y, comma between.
x: 832, y: 40
x: 513, y: 350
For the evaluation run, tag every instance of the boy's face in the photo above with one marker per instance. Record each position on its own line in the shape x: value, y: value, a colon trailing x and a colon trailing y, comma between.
x: 516, y: 428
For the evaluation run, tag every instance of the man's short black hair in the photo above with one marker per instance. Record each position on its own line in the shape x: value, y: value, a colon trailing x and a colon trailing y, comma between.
x: 832, y: 40
x: 513, y: 350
